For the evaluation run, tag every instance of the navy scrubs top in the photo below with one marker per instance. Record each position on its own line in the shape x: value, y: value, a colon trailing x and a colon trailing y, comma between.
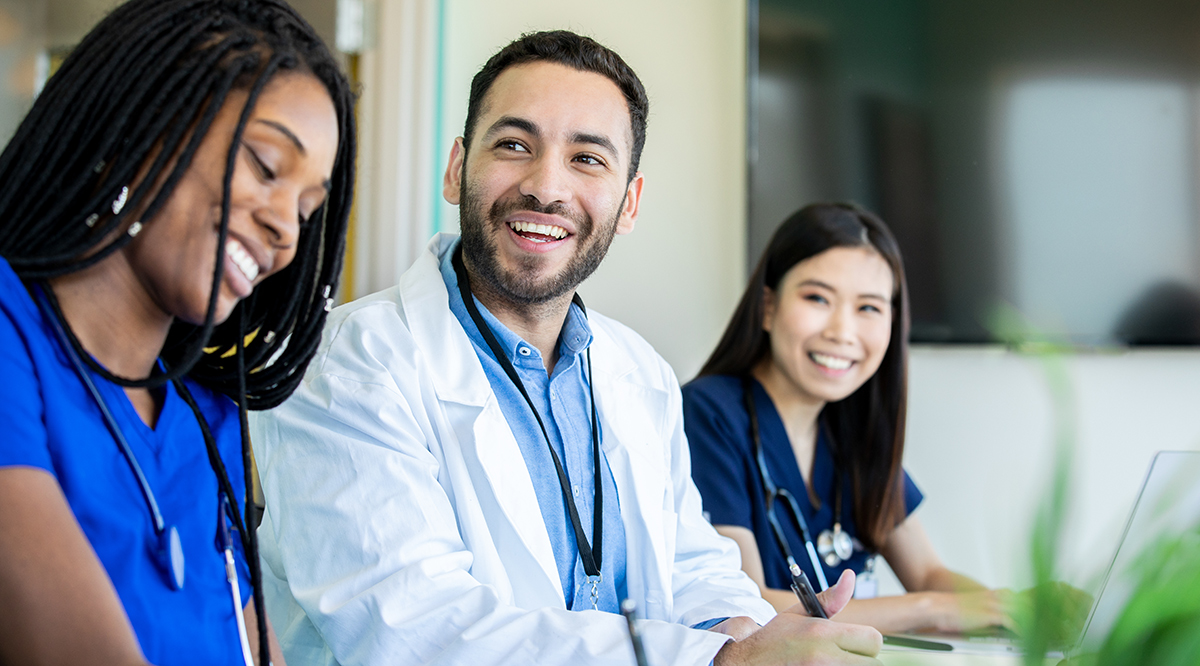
x: 52, y: 423
x: 726, y: 472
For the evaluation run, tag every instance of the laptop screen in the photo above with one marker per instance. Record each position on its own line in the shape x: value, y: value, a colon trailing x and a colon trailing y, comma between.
x: 1168, y: 506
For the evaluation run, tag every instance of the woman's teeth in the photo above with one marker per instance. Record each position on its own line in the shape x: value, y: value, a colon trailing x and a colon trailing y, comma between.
x: 831, y: 362
x: 549, y: 230
x: 242, y: 259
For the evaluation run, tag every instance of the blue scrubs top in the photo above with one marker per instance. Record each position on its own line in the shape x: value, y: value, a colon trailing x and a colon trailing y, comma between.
x: 52, y: 423
x: 726, y: 472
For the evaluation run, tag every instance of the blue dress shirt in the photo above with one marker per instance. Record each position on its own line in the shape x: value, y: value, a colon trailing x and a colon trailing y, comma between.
x: 563, y: 400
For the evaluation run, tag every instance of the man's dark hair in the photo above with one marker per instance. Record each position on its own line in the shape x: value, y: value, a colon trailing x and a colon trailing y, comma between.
x: 578, y: 52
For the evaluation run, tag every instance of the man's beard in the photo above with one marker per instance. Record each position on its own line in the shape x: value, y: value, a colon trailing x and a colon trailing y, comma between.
x: 521, y: 287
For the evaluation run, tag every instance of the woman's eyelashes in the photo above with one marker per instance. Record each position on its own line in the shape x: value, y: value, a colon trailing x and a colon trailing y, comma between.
x: 264, y: 172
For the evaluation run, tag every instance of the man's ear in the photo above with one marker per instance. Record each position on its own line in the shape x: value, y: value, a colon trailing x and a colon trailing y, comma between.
x: 452, y: 180
x: 633, y: 199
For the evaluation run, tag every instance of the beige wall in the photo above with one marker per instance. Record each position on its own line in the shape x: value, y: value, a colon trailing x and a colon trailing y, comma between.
x: 676, y: 278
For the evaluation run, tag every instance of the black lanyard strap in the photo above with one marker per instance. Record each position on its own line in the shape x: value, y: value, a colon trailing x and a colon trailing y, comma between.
x: 591, y: 553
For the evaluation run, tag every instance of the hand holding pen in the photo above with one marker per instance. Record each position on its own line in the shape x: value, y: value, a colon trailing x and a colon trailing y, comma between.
x: 812, y: 604
x: 795, y: 637
x: 808, y: 596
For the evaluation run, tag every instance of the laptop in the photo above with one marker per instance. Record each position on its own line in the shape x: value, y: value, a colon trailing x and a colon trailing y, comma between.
x: 1168, y: 504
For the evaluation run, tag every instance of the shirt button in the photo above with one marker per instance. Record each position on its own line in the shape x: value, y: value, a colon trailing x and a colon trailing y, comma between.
x: 577, y: 491
x: 524, y: 351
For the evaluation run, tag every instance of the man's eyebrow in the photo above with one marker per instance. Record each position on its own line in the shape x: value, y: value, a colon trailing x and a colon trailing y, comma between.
x: 595, y: 139
x: 513, y: 122
x: 286, y: 132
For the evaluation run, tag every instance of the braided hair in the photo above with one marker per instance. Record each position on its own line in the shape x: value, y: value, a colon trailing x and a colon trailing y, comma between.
x: 132, y: 103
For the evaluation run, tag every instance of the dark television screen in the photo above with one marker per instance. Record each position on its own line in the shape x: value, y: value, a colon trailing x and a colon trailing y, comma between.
x: 1032, y: 156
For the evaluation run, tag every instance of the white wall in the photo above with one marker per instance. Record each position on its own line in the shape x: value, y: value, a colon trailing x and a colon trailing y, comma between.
x: 677, y: 277
x: 980, y: 445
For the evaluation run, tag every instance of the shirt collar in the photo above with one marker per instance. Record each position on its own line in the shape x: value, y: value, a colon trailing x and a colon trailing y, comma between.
x: 574, y: 339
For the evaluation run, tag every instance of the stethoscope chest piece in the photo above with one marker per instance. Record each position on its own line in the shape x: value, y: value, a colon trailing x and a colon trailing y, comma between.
x: 835, y: 546
x: 170, y: 556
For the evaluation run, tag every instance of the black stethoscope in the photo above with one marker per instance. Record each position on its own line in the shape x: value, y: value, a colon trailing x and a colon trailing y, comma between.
x: 169, y: 555
x: 590, y: 555
x: 833, y: 546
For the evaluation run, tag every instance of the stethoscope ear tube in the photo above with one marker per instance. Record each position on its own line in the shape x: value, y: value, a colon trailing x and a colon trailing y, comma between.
x: 235, y: 588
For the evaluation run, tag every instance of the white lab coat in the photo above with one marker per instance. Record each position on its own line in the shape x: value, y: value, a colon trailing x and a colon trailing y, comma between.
x: 402, y: 526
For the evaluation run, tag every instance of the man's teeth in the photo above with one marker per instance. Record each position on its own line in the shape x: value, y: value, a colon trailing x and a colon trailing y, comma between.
x: 543, y: 229
x: 242, y: 259
x: 831, y: 362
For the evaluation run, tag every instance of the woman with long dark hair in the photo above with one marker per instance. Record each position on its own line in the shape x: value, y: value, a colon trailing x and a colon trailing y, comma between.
x: 796, y: 426
x: 172, y: 217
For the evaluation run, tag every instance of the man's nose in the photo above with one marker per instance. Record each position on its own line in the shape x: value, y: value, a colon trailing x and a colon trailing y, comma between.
x: 547, y: 181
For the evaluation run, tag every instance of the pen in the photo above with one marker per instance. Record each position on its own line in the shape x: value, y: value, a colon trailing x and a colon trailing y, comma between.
x: 629, y: 610
x: 805, y: 593
x: 808, y: 597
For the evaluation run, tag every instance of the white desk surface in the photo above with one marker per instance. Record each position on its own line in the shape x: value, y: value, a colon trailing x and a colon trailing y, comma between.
x: 901, y: 657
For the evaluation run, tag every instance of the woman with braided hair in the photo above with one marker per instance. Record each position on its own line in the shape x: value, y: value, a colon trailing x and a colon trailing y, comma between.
x: 172, y: 218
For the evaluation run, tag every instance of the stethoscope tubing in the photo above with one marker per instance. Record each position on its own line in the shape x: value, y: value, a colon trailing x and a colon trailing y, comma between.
x: 770, y: 489
x: 160, y: 525
x: 109, y: 420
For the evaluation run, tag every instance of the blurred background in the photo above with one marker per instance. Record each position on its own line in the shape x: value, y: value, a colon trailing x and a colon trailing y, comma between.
x: 1034, y: 155
x: 1039, y: 154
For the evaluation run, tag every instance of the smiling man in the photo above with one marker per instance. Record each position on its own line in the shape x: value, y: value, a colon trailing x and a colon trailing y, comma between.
x: 477, y: 470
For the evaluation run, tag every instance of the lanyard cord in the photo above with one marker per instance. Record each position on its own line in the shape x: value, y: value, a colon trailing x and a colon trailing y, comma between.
x: 589, y: 554
x: 771, y: 491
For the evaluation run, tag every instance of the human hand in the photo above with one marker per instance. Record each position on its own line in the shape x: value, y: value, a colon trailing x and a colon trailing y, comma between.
x: 834, y: 599
x: 1064, y: 609
x: 794, y: 638
x: 955, y: 612
x: 739, y: 627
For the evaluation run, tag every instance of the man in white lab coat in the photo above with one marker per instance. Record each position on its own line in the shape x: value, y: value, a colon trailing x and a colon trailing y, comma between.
x: 476, y: 470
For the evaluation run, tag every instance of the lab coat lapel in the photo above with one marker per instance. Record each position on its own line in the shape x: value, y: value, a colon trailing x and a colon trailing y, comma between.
x: 488, y: 446
x: 636, y: 458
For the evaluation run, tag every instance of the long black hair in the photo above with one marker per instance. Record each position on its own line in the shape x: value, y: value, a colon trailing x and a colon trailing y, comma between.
x: 131, y: 103
x: 867, y: 427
